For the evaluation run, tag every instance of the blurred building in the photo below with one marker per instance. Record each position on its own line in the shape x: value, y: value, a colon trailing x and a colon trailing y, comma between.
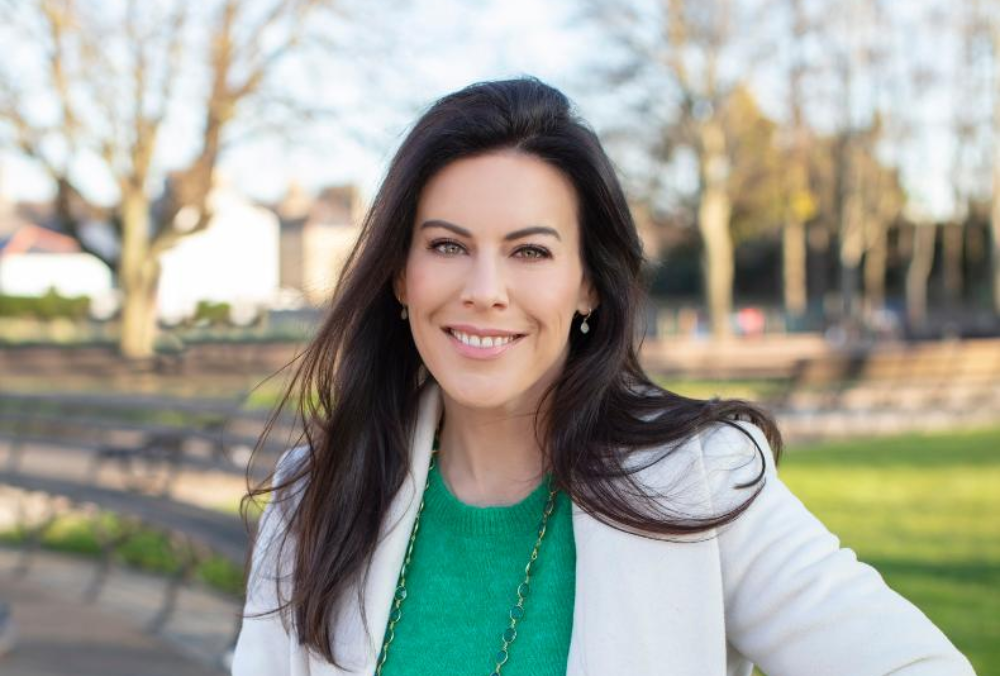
x: 249, y: 256
x: 234, y: 260
x: 36, y: 259
x: 316, y: 238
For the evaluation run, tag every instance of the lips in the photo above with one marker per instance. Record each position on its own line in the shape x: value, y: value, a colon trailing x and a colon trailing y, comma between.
x: 486, y: 345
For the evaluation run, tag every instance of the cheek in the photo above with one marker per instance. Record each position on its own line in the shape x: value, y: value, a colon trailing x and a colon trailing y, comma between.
x: 424, y: 284
x: 551, y: 302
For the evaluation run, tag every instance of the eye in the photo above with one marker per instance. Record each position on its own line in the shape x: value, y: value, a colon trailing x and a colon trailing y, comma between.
x: 445, y: 246
x: 533, y: 252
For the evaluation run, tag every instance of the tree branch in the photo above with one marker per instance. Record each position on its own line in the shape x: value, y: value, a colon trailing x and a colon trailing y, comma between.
x: 72, y: 209
x: 59, y: 18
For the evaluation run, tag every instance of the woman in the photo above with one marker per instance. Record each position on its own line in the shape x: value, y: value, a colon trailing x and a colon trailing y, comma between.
x: 491, y: 484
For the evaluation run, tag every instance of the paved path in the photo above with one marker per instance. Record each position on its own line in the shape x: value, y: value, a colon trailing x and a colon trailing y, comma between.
x: 59, y: 634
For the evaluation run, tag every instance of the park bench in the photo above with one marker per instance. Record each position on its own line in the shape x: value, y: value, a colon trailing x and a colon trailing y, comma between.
x: 143, y: 442
x: 195, y: 535
x: 893, y: 388
x: 148, y: 437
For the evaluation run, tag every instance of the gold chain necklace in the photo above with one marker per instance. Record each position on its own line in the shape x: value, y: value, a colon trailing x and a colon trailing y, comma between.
x: 516, y: 610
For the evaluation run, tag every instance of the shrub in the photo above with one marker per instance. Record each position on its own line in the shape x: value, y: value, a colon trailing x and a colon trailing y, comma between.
x: 50, y: 306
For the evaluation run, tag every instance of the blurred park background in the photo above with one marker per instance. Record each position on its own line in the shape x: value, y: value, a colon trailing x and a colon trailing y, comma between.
x: 817, y: 185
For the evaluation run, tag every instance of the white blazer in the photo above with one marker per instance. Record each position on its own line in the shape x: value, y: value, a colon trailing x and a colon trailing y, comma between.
x: 773, y: 588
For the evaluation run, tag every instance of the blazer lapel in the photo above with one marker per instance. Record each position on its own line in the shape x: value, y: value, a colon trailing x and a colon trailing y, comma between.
x: 646, y: 607
x: 643, y: 607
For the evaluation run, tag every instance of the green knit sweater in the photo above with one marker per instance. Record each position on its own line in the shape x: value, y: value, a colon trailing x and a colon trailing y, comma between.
x: 462, y: 580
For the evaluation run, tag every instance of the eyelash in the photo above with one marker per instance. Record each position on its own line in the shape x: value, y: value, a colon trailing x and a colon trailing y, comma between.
x: 542, y: 251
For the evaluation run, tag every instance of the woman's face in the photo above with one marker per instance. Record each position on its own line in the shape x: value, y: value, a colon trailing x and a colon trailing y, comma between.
x: 493, y: 278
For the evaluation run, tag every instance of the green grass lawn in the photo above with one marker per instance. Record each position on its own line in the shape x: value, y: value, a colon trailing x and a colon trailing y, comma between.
x: 925, y: 512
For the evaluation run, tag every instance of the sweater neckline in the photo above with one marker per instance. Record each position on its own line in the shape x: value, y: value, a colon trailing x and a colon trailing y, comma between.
x: 522, y: 517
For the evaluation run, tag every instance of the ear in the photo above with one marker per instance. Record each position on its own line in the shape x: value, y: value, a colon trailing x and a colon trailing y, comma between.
x: 399, y: 286
x: 588, y: 300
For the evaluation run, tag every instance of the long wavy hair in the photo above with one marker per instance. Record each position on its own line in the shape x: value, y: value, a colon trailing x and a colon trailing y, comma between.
x: 355, y: 388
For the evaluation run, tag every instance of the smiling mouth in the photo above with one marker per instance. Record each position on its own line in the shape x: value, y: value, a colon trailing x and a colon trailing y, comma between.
x: 484, y: 342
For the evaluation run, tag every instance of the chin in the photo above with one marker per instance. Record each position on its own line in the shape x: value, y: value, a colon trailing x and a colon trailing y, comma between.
x: 486, y: 394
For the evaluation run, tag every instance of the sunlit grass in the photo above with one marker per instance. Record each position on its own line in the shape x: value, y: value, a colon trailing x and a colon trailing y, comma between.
x: 925, y: 512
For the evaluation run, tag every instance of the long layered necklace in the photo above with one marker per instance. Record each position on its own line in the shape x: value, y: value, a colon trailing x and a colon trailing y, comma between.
x: 516, y: 611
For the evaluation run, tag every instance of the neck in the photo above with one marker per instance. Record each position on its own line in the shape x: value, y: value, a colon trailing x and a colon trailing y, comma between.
x: 489, y: 458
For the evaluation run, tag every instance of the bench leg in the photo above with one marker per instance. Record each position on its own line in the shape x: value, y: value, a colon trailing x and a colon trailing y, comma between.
x: 110, y: 542
x: 189, y: 559
x: 35, y: 532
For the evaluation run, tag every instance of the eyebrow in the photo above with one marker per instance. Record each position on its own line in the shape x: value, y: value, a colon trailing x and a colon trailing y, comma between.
x: 516, y: 234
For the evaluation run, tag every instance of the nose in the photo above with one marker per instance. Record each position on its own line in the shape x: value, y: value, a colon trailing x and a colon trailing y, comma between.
x: 486, y: 286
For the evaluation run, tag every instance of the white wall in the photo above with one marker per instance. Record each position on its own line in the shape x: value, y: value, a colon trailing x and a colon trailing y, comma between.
x: 234, y: 260
x: 71, y: 274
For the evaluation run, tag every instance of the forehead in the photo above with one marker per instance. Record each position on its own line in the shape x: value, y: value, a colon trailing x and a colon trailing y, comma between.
x: 499, y: 192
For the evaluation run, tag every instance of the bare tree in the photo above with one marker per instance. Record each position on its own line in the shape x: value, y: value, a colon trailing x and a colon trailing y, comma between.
x: 114, y: 74
x: 971, y: 83
x: 921, y: 75
x: 688, y: 55
x: 969, y: 121
x: 976, y: 166
x: 995, y: 202
x: 883, y: 199
x: 868, y: 197
x: 801, y: 204
x: 853, y: 60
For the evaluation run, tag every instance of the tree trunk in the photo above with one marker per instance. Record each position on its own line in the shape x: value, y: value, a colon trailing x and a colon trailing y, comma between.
x: 995, y: 211
x: 874, y: 269
x: 713, y: 221
x: 852, y: 245
x: 995, y: 230
x: 995, y: 227
x: 793, y: 248
x: 818, y: 256
x: 918, y: 273
x: 801, y: 204
x: 139, y: 277
x: 951, y: 261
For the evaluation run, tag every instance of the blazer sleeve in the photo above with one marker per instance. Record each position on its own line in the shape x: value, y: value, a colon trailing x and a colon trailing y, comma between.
x: 264, y: 646
x: 798, y: 603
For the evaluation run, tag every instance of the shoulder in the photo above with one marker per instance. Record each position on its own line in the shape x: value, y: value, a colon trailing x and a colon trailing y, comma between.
x: 715, y: 470
x: 290, y: 462
x: 729, y: 446
x: 737, y: 446
x: 274, y: 540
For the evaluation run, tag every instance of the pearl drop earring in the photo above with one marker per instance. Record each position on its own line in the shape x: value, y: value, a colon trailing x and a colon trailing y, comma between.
x: 584, y: 326
x: 404, y: 314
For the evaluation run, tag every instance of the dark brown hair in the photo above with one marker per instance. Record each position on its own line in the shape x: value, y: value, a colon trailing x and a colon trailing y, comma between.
x: 356, y: 387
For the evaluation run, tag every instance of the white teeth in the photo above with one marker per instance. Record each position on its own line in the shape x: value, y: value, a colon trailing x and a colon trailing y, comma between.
x: 481, y: 342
